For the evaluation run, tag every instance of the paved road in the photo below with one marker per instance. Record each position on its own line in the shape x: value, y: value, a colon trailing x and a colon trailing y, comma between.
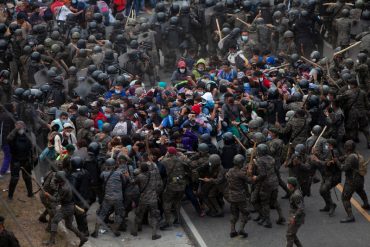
x: 318, y: 230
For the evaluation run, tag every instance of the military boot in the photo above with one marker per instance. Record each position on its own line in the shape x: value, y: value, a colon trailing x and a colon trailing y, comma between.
x: 115, y: 230
x: 12, y: 185
x: 348, y: 219
x: 242, y: 232
x: 134, y: 230
x: 42, y: 217
x: 267, y: 223
x: 51, y: 240
x: 96, y: 231
x: 332, y: 209
x: 155, y: 236
x: 217, y: 207
x: 233, y: 232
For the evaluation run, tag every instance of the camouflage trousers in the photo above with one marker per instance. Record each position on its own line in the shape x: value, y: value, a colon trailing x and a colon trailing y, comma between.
x: 291, y: 235
x: 349, y: 188
x: 239, y: 211
x: 116, y: 205
x: 171, y: 198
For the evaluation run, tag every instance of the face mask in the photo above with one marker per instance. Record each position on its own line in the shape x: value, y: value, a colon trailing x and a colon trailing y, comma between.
x: 108, y: 115
x: 327, y: 97
x: 117, y: 91
x: 200, y: 69
x: 269, y: 137
x: 21, y: 131
x: 92, y: 129
x: 67, y: 133
x: 163, y: 115
x: 182, y: 71
x: 245, y: 38
x: 209, y: 163
x: 296, y: 153
x: 286, y: 119
x: 357, y: 61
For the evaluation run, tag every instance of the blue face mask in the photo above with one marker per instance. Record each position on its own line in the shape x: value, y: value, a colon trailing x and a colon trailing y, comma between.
x: 269, y: 137
x: 245, y: 38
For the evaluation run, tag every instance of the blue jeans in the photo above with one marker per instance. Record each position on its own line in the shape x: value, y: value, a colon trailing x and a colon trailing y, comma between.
x: 7, y: 158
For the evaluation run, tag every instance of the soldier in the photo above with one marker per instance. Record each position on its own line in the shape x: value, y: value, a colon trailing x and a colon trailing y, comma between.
x: 299, y: 168
x: 150, y: 185
x: 296, y: 213
x: 49, y: 185
x: 206, y: 138
x: 212, y: 186
x: 276, y: 147
x: 297, y: 127
x: 103, y: 138
x: 64, y: 196
x: 229, y: 150
x: 87, y: 132
x: 7, y: 238
x: 173, y: 37
x: 72, y: 81
x: 354, y: 180
x: 21, y: 143
x: 331, y: 175
x: 263, y: 34
x: 237, y: 196
x: 113, y: 185
x: 82, y: 116
x: 175, y: 186
x: 343, y: 28
x: 266, y: 186
x: 287, y: 47
x: 356, y: 105
x: 92, y: 165
x: 362, y: 71
x: 80, y: 180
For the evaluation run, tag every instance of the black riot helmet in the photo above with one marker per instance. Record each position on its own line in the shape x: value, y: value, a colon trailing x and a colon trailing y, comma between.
x: 174, y: 20
x: 76, y: 162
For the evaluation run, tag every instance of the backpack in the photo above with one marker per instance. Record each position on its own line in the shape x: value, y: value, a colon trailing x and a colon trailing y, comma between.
x: 362, y: 165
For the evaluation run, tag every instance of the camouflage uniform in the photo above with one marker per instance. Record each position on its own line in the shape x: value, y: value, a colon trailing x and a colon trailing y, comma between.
x: 298, y: 129
x: 175, y: 186
x: 297, y: 213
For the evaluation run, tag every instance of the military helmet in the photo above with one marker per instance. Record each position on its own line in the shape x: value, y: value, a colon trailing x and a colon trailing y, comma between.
x: 288, y: 34
x: 102, y: 77
x: 111, y: 70
x: 300, y: 148
x: 316, y: 130
x: 203, y: 148
x: 26, y: 49
x: 51, y: 73
x: 72, y: 70
x: 36, y: 56
x: 110, y: 162
x: 161, y: 17
x: 313, y: 101
x: 52, y: 110
x: 247, y: 5
x: 297, y: 96
x: 13, y: 26
x: 97, y: 49
x: 225, y: 31
x: 175, y: 8
x: 315, y: 55
x: 345, y: 13
x: 120, y: 38
x: 160, y: 7
x: 76, y: 162
x: 348, y: 62
x: 185, y: 9
x: 304, y: 84
x: 91, y: 39
x: 228, y: 136
x: 55, y: 48
x: 219, y: 6
x: 92, y: 25
x: 277, y: 15
x: 91, y: 68
x: 81, y: 44
x: 83, y: 110
x: 349, y: 146
x: 205, y: 138
x: 259, y: 21
x: 214, y: 159
x: 229, y: 3
x: 55, y: 35
x: 238, y: 160
x: 60, y: 176
x: 325, y: 89
x: 174, y: 20
x: 262, y: 149
x: 48, y: 42
x: 294, y: 57
x: 3, y: 44
x: 272, y: 93
x: 134, y: 44
x: 76, y: 35
x: 94, y: 148
x: 362, y: 57
x: 144, y: 27
x: 258, y: 137
x: 253, y: 124
x: 3, y: 28
x: 98, y: 17
x: 359, y: 4
x: 259, y: 121
x: 18, y: 92
x: 209, y: 3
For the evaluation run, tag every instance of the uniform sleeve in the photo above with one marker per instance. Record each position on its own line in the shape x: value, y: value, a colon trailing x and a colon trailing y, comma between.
x: 262, y: 173
x: 298, y: 201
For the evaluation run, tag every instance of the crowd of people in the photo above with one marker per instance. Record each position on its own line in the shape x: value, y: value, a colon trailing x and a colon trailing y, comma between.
x: 137, y: 105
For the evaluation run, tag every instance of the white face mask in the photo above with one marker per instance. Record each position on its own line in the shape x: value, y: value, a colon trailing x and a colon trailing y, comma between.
x: 117, y: 91
x: 327, y: 97
x: 92, y: 129
x: 21, y: 131
x: 245, y: 38
x: 68, y: 134
x: 182, y: 70
x: 107, y: 115
x: 286, y: 119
